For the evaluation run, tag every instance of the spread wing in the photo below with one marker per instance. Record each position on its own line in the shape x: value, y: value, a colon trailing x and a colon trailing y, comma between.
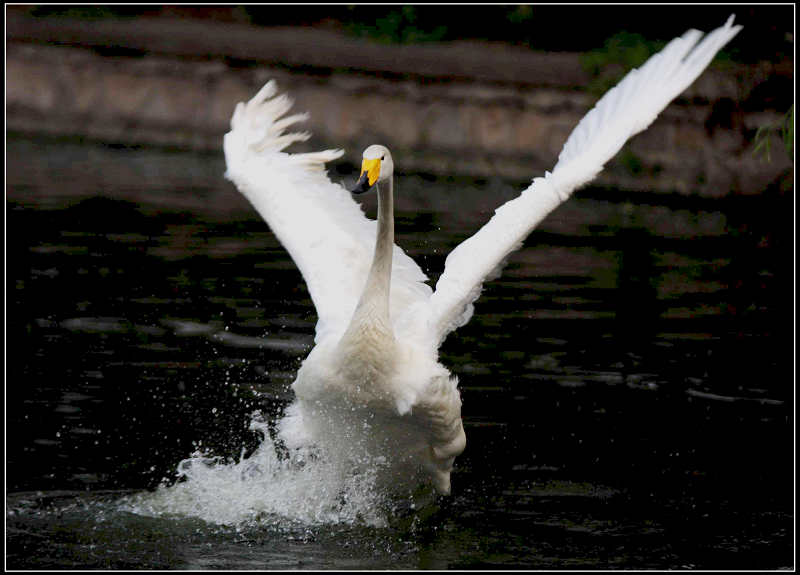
x: 324, y: 230
x: 622, y: 112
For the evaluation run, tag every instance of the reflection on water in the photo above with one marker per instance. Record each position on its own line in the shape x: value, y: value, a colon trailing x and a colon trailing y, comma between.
x: 626, y: 383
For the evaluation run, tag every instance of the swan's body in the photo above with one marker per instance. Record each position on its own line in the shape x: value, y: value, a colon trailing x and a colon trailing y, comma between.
x: 372, y: 384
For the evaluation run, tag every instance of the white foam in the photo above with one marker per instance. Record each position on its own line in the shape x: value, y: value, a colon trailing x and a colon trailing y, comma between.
x: 307, y: 486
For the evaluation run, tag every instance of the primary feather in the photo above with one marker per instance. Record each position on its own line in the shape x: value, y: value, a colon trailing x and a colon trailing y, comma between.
x: 624, y: 111
x: 366, y: 388
x: 317, y: 221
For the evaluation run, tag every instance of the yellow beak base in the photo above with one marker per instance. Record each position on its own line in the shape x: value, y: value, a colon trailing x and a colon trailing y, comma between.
x: 373, y: 170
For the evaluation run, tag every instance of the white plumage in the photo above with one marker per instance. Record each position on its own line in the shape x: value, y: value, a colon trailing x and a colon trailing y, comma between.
x: 372, y: 388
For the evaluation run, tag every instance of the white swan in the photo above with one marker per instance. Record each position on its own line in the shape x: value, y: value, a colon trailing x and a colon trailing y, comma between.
x: 373, y: 384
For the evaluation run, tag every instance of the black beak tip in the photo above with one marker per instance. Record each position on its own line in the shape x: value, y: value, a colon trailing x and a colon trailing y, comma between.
x: 362, y: 185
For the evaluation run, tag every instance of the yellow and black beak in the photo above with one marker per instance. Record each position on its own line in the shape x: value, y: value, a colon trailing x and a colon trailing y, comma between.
x: 370, y: 172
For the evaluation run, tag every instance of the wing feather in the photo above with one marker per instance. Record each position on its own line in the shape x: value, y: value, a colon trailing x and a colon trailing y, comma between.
x: 317, y: 221
x: 625, y: 110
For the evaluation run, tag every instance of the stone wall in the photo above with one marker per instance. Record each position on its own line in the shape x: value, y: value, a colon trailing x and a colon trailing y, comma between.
x: 450, y: 109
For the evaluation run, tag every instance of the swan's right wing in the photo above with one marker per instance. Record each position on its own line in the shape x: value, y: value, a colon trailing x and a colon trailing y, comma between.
x: 324, y: 230
x: 622, y: 112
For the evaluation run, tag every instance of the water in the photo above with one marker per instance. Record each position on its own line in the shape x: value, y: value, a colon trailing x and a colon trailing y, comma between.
x: 627, y: 383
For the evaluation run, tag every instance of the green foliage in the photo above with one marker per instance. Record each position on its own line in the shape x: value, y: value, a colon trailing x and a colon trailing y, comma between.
x: 785, y: 130
x: 521, y: 14
x: 621, y: 53
x: 632, y: 163
x: 90, y: 12
x: 398, y: 26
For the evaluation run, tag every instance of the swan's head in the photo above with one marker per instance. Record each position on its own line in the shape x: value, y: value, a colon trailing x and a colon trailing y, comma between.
x: 376, y: 166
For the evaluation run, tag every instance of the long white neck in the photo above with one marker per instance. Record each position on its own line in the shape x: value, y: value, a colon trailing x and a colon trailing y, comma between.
x: 372, y: 311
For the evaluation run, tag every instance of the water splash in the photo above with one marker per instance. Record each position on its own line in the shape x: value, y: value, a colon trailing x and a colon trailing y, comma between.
x: 306, y: 486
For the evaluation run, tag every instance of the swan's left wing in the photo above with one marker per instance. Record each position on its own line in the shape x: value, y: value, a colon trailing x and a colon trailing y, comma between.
x: 622, y: 112
x: 324, y: 230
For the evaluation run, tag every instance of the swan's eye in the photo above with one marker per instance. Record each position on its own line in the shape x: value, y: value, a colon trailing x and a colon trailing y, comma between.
x: 383, y: 157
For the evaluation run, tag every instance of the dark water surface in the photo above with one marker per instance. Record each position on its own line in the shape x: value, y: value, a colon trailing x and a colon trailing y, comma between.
x: 627, y: 383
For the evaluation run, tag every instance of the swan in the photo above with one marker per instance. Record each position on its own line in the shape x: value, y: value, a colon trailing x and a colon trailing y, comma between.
x: 372, y: 387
